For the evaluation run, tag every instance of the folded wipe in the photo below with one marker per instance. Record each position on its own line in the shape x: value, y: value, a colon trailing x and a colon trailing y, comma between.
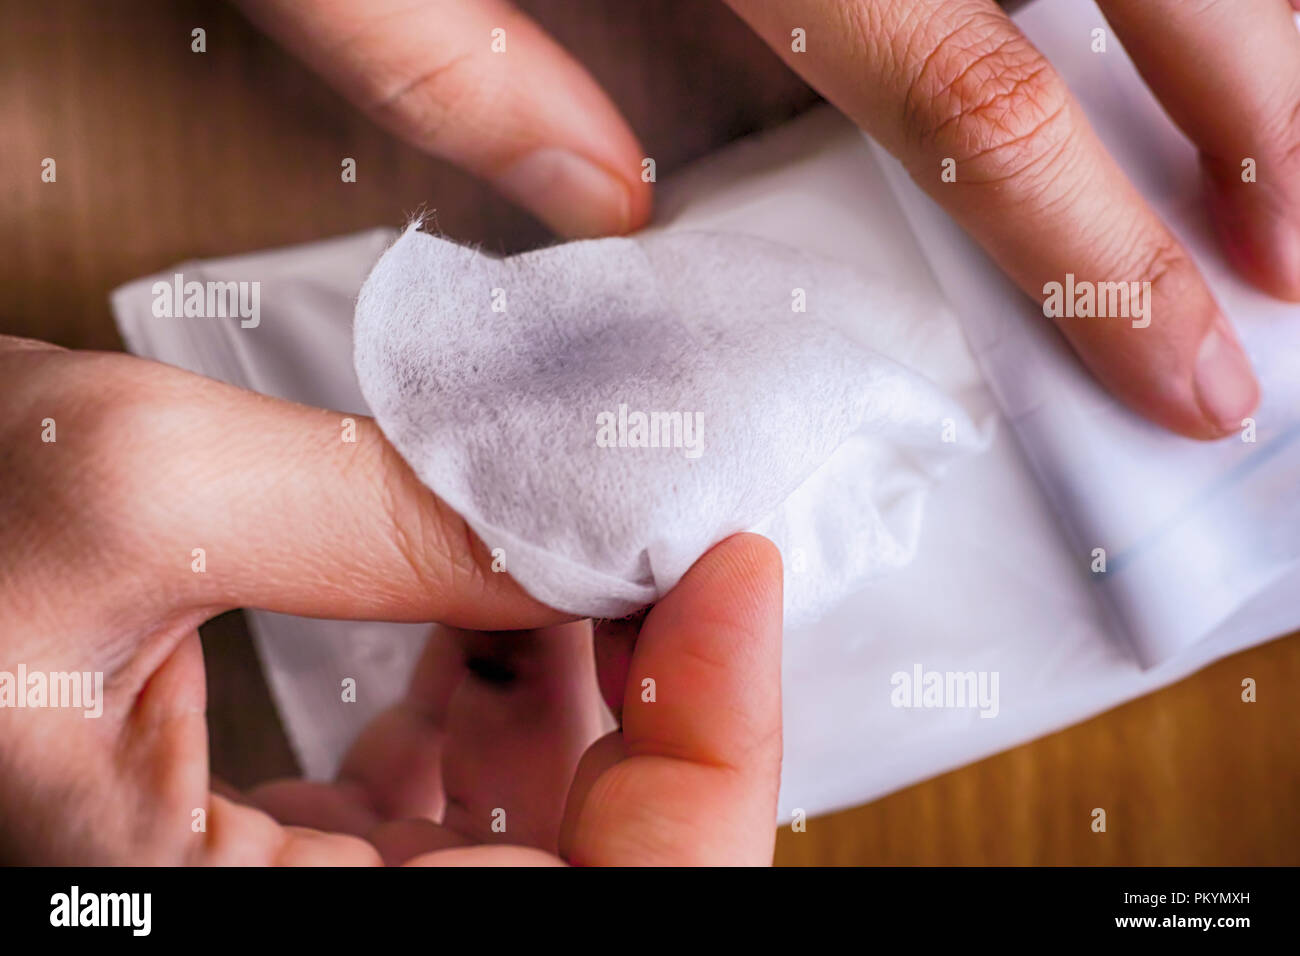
x: 603, y: 412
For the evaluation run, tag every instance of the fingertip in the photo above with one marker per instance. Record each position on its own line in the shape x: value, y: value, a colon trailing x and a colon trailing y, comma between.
x: 740, y: 577
x: 642, y: 205
x: 701, y: 725
x: 1226, y: 388
x: 1177, y: 361
x: 713, y: 645
x: 756, y: 548
x: 737, y: 584
x: 745, y: 558
x: 576, y: 197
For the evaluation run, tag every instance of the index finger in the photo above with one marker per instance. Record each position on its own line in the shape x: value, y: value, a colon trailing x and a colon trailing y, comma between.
x: 940, y: 80
x: 168, y: 491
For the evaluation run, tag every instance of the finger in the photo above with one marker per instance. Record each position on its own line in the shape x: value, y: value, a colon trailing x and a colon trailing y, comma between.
x: 307, y: 847
x: 516, y: 728
x: 693, y: 778
x: 488, y: 856
x: 484, y: 743
x: 218, y: 497
x: 512, y: 107
x: 403, y: 840
x: 241, y: 835
x: 315, y: 805
x: 482, y: 748
x: 395, y: 764
x: 1229, y: 75
x: 613, y: 642
x: 391, y: 774
x: 937, y: 80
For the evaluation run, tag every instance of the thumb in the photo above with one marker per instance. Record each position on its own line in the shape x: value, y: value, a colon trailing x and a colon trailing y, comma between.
x: 693, y: 777
x: 478, y: 83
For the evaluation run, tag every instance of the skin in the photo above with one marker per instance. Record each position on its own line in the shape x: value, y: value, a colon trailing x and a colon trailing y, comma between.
x: 96, y: 536
x: 97, y: 529
x: 930, y: 80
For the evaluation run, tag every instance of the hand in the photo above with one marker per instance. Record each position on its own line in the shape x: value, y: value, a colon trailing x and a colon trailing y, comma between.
x: 99, y: 572
x: 499, y: 753
x: 930, y: 80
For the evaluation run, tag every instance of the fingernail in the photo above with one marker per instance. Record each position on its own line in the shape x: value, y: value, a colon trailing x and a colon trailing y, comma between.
x: 1225, y: 382
x: 572, y: 195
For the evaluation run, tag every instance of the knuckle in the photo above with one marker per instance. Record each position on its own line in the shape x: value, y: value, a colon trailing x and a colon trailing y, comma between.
x: 1154, y: 257
x: 93, y: 410
x: 1200, y: 8
x: 1146, y: 254
x: 434, y: 542
x: 1283, y: 129
x: 78, y: 500
x: 123, y: 422
x: 1273, y: 140
x: 1164, y: 263
x: 986, y: 97
x: 433, y: 100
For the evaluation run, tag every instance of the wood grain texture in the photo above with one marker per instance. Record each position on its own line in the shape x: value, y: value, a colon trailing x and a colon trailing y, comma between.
x: 1190, y: 775
x: 165, y: 155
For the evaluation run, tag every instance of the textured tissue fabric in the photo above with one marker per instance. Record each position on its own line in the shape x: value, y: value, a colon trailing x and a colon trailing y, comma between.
x: 603, y: 412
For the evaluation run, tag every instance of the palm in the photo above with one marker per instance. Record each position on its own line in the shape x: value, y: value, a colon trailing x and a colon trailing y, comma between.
x: 481, y: 751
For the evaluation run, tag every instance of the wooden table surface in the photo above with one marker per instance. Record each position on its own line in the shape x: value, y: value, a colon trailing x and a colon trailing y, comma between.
x: 165, y: 155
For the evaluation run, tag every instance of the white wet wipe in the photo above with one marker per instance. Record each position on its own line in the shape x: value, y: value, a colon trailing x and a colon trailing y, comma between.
x: 603, y: 412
